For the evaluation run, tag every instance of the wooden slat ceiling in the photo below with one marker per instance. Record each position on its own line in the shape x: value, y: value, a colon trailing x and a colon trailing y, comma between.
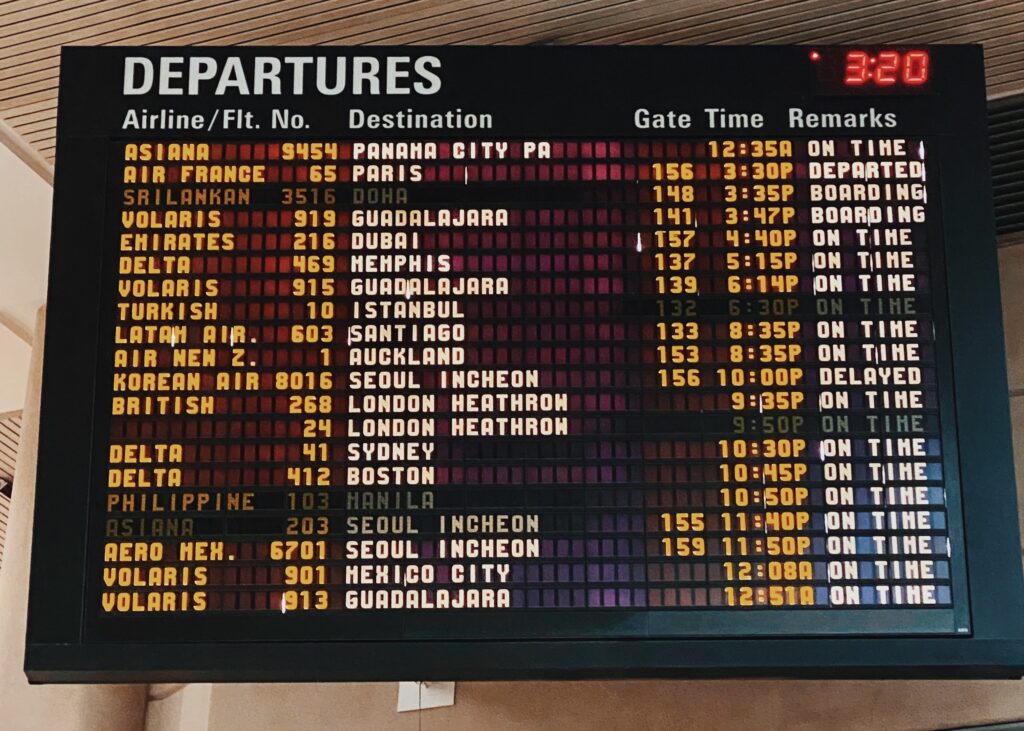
x: 10, y: 436
x: 1006, y: 142
x: 5, y: 511
x: 32, y: 31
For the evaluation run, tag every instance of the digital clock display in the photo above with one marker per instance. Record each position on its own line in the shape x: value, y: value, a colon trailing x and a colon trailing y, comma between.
x: 873, y: 70
x: 886, y: 68
x: 465, y: 362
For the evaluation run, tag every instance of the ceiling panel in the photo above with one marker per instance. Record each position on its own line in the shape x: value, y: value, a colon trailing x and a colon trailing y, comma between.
x: 32, y: 32
x: 1006, y: 133
x: 10, y: 437
x: 5, y: 511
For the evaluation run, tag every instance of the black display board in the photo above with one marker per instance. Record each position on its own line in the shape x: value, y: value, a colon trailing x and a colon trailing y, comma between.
x: 376, y: 363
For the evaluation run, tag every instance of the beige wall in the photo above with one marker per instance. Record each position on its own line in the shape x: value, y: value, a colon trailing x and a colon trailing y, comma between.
x: 24, y: 260
x: 44, y: 708
x: 25, y: 200
x: 1011, y: 279
x: 627, y: 705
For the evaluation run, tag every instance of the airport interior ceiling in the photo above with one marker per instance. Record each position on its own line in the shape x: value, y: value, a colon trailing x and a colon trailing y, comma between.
x: 32, y: 32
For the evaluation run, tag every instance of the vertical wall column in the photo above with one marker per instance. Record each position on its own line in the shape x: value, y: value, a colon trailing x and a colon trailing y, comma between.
x: 64, y: 707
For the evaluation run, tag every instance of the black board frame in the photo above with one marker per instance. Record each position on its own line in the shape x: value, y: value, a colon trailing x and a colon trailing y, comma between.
x: 58, y: 649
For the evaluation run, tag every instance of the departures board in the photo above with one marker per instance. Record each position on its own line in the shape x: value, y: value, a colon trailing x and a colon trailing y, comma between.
x: 394, y: 362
